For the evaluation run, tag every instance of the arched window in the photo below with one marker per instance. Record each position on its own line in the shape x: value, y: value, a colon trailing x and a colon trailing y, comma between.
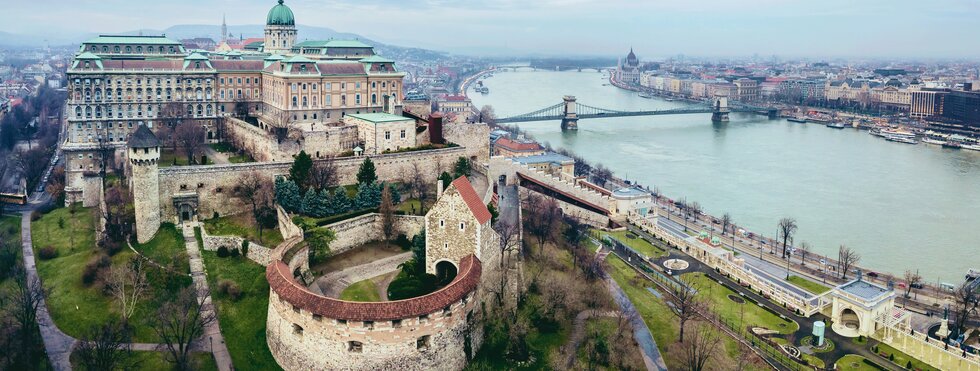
x: 200, y: 109
x: 305, y: 103
x: 105, y: 49
x: 78, y: 112
x: 210, y: 109
x: 294, y: 101
x: 190, y: 110
x: 139, y: 49
x: 129, y: 49
x: 115, y: 49
x: 374, y: 99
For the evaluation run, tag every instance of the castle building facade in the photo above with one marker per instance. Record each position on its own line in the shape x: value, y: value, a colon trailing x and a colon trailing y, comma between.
x: 119, y: 83
x: 628, y: 70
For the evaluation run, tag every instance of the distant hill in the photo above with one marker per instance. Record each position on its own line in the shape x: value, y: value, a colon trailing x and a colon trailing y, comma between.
x: 189, y: 31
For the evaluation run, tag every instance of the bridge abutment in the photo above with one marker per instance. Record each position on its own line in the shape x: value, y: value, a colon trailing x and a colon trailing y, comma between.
x: 570, y: 121
x: 569, y: 124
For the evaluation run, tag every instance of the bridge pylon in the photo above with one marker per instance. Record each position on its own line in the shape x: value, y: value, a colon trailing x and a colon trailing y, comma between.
x: 570, y: 119
x: 720, y: 109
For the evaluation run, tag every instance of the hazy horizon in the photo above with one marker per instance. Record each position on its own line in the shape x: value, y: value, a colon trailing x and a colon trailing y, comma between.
x: 710, y: 28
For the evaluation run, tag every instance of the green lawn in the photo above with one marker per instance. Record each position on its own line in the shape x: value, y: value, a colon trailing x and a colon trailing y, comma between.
x: 77, y: 307
x: 812, y: 287
x: 364, y: 290
x: 222, y: 147
x: 853, y: 362
x: 409, y: 206
x: 657, y: 316
x: 729, y: 310
x: 240, y: 159
x: 242, y: 321
x: 242, y: 225
x: 169, y: 158
x: 637, y: 243
x: 143, y: 360
x: 902, y: 359
x: 167, y: 246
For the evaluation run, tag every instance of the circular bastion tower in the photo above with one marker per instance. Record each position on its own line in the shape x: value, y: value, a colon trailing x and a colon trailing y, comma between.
x: 144, y: 153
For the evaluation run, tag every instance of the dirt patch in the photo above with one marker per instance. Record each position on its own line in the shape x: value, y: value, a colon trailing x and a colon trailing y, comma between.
x: 361, y: 255
x: 736, y: 298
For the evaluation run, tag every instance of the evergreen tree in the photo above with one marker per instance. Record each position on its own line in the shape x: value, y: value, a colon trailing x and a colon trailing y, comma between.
x: 446, y: 179
x: 462, y: 167
x: 310, y: 203
x: 396, y: 196
x: 340, y: 202
x: 287, y: 195
x: 366, y: 174
x: 326, y: 202
x: 368, y: 196
x: 300, y: 171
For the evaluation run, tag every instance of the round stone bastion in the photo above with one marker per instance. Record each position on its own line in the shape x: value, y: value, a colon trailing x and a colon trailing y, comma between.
x: 308, y: 331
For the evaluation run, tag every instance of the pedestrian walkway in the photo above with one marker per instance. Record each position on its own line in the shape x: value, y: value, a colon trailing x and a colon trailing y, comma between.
x: 212, y: 334
x: 57, y: 344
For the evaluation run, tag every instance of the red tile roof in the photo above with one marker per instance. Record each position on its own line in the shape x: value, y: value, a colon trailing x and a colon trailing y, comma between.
x: 282, y: 283
x: 473, y: 202
x: 353, y: 68
x: 237, y: 65
x: 516, y: 146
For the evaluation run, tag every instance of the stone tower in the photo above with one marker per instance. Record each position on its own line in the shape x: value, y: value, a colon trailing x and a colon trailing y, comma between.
x: 144, y: 153
x: 280, y: 30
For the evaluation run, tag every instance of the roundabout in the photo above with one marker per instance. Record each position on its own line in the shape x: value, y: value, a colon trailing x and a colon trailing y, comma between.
x: 676, y: 264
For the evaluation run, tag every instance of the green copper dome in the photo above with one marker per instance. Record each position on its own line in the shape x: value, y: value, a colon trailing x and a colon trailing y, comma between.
x: 280, y: 15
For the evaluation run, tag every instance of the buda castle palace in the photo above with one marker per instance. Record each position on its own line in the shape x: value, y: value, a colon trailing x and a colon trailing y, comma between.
x: 118, y: 83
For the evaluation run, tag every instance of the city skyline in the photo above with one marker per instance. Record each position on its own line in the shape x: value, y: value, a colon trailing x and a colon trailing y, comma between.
x: 899, y: 29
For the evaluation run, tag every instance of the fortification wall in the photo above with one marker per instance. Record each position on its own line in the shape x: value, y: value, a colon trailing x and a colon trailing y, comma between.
x: 214, y: 183
x: 438, y: 331
x: 475, y: 137
x: 257, y: 253
x: 261, y: 144
x: 366, y: 228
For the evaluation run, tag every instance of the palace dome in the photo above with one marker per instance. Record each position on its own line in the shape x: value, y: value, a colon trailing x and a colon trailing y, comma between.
x: 280, y: 15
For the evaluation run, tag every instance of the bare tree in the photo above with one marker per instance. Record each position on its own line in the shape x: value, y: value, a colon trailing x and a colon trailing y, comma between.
x: 966, y: 305
x: 387, y: 211
x: 105, y: 347
x: 846, y: 258
x: 726, y: 220
x: 684, y: 303
x: 787, y: 227
x: 700, y: 348
x: 488, y: 115
x: 804, y: 249
x: 128, y: 284
x: 249, y: 189
x: 746, y: 359
x: 694, y: 208
x: 324, y: 174
x: 417, y: 184
x: 32, y: 164
x: 912, y: 279
x: 27, y: 296
x: 190, y: 136
x: 181, y: 321
x: 543, y: 220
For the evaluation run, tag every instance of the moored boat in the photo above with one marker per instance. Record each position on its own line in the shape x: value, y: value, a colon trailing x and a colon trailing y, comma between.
x: 900, y: 139
x: 836, y: 125
x: 801, y: 120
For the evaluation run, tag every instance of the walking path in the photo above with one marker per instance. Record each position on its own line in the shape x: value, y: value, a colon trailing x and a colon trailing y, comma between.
x: 213, y: 331
x: 578, y: 332
x: 641, y: 333
x: 57, y: 344
x: 333, y: 283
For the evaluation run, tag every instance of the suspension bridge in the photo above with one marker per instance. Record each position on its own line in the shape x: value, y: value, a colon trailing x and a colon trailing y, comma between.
x: 569, y: 112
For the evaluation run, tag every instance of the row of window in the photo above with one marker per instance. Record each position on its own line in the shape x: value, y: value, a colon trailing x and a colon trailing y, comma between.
x: 328, y: 101
x: 343, y: 85
x: 130, y: 49
x: 89, y: 112
x: 139, y: 81
x: 388, y: 134
x: 168, y: 94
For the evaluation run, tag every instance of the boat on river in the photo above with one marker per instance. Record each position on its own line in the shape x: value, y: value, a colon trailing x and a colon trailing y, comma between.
x: 645, y: 95
x: 930, y: 140
x: 801, y: 120
x: 900, y: 139
x: 836, y: 125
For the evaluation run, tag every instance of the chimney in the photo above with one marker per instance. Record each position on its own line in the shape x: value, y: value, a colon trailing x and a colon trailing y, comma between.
x: 438, y: 188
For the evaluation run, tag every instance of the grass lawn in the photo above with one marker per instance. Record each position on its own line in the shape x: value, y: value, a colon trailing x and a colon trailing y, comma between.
x: 166, y: 246
x: 902, y: 359
x: 242, y: 321
x: 156, y: 361
x: 11, y: 225
x: 730, y: 311
x: 637, y: 243
x: 812, y: 287
x: 658, y: 318
x: 364, y: 290
x: 222, y: 147
x: 169, y: 158
x: 77, y: 307
x: 854, y: 362
x: 409, y: 206
x: 240, y: 159
x: 242, y: 225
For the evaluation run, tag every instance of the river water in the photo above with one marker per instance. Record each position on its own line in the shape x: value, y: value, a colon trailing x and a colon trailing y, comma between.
x: 900, y: 206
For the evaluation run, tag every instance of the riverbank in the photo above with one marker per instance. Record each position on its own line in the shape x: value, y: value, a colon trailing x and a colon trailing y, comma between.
x: 900, y: 206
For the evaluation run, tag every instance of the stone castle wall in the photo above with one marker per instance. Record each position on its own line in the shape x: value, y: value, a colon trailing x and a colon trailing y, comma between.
x: 299, y: 340
x: 475, y: 137
x: 367, y: 228
x: 257, y: 253
x: 259, y: 143
x: 213, y: 184
x: 145, y: 203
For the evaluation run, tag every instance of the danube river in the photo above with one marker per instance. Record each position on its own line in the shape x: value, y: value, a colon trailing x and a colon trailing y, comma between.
x: 900, y: 206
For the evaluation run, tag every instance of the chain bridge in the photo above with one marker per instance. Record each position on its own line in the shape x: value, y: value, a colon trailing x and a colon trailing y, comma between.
x: 569, y: 112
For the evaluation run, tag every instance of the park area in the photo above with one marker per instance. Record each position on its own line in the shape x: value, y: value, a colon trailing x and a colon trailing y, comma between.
x: 71, y: 265
x: 635, y: 242
x: 243, y: 225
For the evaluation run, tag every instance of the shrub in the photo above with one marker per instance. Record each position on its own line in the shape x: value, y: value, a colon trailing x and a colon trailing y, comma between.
x: 93, y: 267
x: 908, y: 365
x: 860, y: 338
x: 216, y: 215
x: 233, y: 253
x: 47, y: 253
x: 403, y: 242
x: 245, y: 247
x: 230, y: 288
x: 35, y: 215
x: 223, y: 252
x: 874, y: 349
x: 891, y: 357
x: 110, y: 246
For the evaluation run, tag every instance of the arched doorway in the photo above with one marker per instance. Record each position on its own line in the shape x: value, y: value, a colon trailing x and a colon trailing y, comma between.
x: 445, y: 272
x: 186, y: 213
x: 849, y: 319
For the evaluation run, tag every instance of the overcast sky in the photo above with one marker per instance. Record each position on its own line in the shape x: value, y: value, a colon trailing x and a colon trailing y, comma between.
x: 655, y: 28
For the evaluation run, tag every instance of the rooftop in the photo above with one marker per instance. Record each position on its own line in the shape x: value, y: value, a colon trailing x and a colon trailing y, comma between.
x: 630, y: 192
x: 131, y: 39
x: 472, y: 200
x: 332, y: 44
x: 378, y: 117
x: 143, y: 138
x: 864, y: 289
x: 550, y: 157
x: 517, y: 145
